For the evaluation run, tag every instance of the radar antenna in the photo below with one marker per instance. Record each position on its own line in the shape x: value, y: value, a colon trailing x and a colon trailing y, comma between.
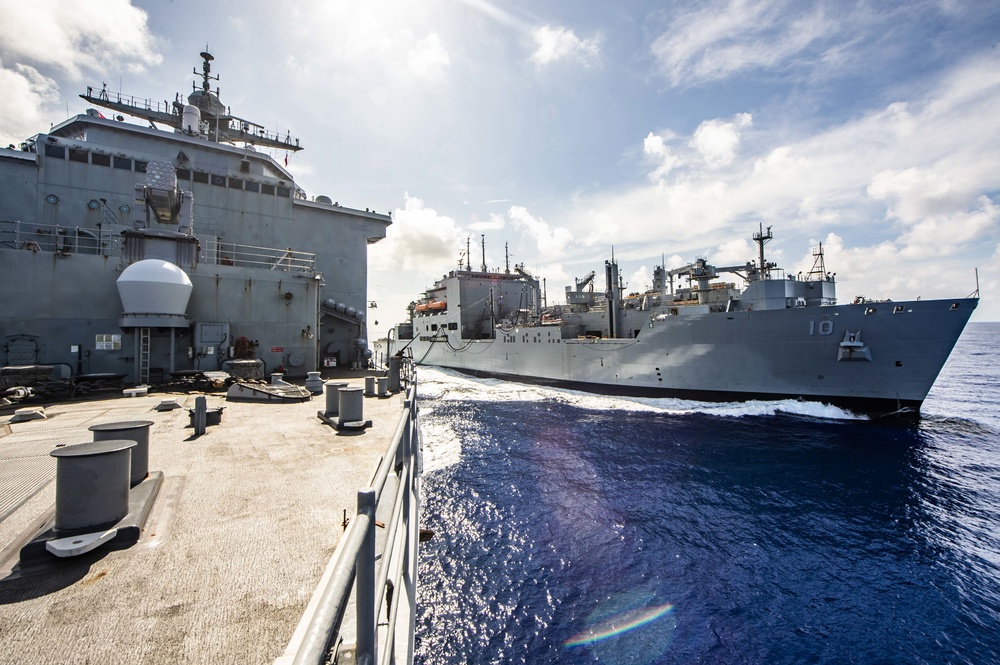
x: 206, y: 70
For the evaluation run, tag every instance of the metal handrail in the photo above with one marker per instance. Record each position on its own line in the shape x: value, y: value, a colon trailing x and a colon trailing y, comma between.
x: 355, y: 559
x: 286, y: 259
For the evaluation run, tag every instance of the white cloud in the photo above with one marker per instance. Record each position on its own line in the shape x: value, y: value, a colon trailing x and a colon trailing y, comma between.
x: 43, y: 41
x: 733, y: 252
x: 640, y: 281
x: 550, y: 241
x: 420, y: 239
x: 717, y: 141
x: 726, y: 38
x: 656, y: 147
x: 25, y: 94
x: 553, y: 44
x: 911, y: 184
x: 77, y: 37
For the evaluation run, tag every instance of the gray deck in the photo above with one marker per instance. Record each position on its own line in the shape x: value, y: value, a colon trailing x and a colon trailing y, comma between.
x: 245, y: 522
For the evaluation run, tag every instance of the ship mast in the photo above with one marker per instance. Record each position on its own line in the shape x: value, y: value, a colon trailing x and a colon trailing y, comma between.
x: 223, y: 127
x: 818, y: 272
x: 761, y: 239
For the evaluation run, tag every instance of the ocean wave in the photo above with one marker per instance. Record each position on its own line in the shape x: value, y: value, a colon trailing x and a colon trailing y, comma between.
x: 450, y: 385
x: 441, y: 445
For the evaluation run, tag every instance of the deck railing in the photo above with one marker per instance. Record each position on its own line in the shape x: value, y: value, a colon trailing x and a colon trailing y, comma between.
x: 385, y: 575
x: 248, y: 256
x: 52, y: 238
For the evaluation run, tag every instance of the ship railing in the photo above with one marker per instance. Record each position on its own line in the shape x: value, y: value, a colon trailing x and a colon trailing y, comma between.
x: 380, y: 628
x: 215, y: 251
x: 50, y: 238
x: 141, y: 103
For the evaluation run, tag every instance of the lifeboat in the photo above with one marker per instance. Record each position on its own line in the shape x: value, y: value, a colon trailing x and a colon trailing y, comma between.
x: 432, y: 307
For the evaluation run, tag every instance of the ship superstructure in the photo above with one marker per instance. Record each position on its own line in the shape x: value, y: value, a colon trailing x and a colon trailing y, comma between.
x: 271, y: 275
x: 692, y: 335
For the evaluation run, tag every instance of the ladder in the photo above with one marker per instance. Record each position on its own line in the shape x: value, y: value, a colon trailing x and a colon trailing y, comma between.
x: 143, y: 378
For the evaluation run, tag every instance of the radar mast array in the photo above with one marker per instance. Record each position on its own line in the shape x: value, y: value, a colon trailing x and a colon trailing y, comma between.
x: 217, y: 124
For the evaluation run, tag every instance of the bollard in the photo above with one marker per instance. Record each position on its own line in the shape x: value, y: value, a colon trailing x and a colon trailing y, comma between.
x: 277, y: 379
x: 333, y: 397
x: 395, y: 364
x: 352, y: 406
x: 383, y: 386
x: 134, y: 430
x: 369, y: 386
x: 314, y: 384
x: 92, y: 484
x: 200, y: 415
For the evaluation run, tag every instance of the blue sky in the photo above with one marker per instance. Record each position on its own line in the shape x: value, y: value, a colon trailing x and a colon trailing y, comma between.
x: 567, y: 128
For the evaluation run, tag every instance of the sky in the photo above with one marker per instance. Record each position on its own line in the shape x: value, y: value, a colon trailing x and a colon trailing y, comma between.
x: 568, y: 130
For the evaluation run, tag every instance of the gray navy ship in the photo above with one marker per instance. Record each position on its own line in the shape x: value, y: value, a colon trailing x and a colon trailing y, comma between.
x: 142, y: 252
x: 692, y: 336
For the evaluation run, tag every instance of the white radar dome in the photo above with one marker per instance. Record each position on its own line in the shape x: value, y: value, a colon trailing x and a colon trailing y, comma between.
x: 154, y: 287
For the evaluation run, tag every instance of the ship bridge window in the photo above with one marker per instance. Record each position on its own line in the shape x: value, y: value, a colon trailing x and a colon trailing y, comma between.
x: 219, y: 180
x: 125, y: 164
x: 98, y: 159
x: 285, y: 192
x: 251, y: 186
x: 452, y: 326
x: 235, y: 183
x: 140, y: 166
x: 267, y: 189
x: 201, y: 177
x: 76, y: 155
x: 55, y: 151
x: 183, y: 174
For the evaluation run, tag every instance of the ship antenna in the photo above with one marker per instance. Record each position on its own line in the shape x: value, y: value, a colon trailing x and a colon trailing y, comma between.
x: 468, y: 254
x: 761, y: 239
x: 206, y: 70
x: 482, y: 238
x: 506, y: 257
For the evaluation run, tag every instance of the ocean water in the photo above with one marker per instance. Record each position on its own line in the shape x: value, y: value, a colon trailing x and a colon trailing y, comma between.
x: 575, y: 528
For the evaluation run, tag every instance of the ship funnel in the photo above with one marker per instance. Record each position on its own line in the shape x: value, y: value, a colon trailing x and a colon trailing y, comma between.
x: 154, y: 293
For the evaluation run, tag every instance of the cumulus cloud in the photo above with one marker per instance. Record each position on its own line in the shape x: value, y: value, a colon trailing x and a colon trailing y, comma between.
x: 717, y: 140
x: 550, y: 240
x: 71, y: 49
x: 419, y: 239
x: 714, y: 144
x: 920, y: 174
x: 655, y: 146
x: 79, y: 37
x: 26, y: 93
x: 553, y: 44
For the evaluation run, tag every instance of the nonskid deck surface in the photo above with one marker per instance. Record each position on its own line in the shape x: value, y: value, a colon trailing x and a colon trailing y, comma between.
x: 245, y: 522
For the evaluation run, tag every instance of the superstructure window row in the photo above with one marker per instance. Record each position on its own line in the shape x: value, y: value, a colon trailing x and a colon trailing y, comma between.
x: 139, y: 166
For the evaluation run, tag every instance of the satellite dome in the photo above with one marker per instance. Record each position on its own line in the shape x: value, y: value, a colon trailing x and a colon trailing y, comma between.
x: 154, y: 286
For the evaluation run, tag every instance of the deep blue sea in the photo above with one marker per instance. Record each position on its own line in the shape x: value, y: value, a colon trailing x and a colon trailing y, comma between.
x: 576, y: 528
